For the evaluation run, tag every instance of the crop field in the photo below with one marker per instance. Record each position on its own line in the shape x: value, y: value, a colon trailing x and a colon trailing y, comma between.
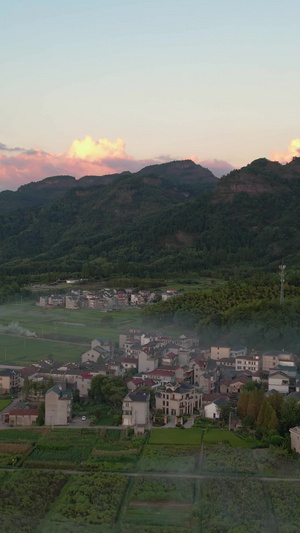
x: 26, y: 498
x: 229, y: 505
x: 178, y: 436
x: 286, y: 504
x: 23, y: 351
x: 87, y: 502
x: 159, y: 502
x: 161, y: 458
x: 269, y: 464
x: 126, y: 484
x: 83, y: 449
x: 225, y: 459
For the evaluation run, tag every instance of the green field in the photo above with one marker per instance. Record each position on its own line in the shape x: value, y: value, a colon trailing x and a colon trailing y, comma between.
x: 4, y: 404
x: 177, y: 487
x: 62, y: 334
x: 190, y: 436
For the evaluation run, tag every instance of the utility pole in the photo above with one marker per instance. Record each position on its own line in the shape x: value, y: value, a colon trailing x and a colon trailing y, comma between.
x: 282, y: 271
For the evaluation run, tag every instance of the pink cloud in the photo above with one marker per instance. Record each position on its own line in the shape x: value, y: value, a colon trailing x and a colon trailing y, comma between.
x: 217, y: 166
x: 84, y: 157
x: 293, y: 150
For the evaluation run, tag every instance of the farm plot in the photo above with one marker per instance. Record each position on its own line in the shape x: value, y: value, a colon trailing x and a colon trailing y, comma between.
x: 286, y: 504
x: 229, y: 505
x: 11, y: 453
x: 26, y: 497
x: 88, y: 503
x: 20, y: 435
x: 111, y: 454
x: 271, y: 464
x: 25, y: 351
x: 159, y: 502
x: 160, y: 458
x: 191, y: 437
x: 225, y: 459
x: 62, y: 449
x: 216, y: 436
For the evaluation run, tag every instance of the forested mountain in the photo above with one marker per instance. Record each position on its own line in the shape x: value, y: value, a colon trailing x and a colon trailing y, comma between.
x: 186, y: 176
x: 153, y: 225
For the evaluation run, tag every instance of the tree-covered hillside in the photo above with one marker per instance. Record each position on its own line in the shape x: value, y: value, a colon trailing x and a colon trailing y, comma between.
x: 148, y: 226
x: 247, y: 312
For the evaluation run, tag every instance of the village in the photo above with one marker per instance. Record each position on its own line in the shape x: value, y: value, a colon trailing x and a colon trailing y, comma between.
x: 170, y: 382
x: 105, y: 299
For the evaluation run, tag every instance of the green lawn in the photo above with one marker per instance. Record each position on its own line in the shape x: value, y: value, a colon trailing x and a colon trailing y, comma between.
x: 4, y: 404
x: 23, y: 351
x: 216, y: 436
x: 190, y: 436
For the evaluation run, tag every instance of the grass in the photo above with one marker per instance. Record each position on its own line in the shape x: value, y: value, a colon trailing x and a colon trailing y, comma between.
x: 4, y: 404
x: 190, y: 436
x: 216, y: 436
x: 24, y: 351
x: 56, y: 329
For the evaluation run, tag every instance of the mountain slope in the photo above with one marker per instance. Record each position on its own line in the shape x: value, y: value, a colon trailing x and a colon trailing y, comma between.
x: 186, y: 176
x: 139, y: 225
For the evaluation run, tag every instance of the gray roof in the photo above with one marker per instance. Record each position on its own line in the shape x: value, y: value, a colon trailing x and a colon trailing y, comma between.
x: 139, y: 396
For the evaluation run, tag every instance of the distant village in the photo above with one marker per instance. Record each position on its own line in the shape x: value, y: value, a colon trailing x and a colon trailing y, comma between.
x: 185, y: 379
x: 105, y: 299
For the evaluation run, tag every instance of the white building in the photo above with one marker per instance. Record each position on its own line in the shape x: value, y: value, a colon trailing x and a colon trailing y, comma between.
x: 280, y: 382
x: 136, y: 410
x: 212, y: 410
x: 295, y: 439
x: 248, y: 363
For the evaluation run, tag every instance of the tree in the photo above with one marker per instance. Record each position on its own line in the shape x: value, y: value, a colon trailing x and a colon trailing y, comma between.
x: 224, y: 412
x: 41, y: 415
x: 289, y: 416
x: 26, y: 388
x: 108, y: 389
x: 273, y: 423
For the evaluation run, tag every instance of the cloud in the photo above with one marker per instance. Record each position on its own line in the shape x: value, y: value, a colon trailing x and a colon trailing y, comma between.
x: 217, y: 166
x: 84, y: 157
x: 5, y: 148
x: 293, y: 150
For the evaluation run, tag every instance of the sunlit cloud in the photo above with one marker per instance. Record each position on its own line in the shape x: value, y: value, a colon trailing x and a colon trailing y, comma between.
x: 217, y: 166
x: 292, y: 151
x: 84, y: 157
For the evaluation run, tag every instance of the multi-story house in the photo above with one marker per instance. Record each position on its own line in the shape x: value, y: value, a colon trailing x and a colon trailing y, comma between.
x: 274, y: 357
x: 295, y: 439
x: 249, y: 363
x: 9, y: 381
x: 57, y: 407
x: 178, y: 399
x: 136, y: 410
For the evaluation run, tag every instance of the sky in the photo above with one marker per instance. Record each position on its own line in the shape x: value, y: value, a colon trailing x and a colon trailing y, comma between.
x: 110, y: 85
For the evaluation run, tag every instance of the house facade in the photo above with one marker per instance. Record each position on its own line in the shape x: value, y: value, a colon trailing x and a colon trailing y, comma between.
x: 248, y: 363
x: 178, y: 399
x: 136, y: 410
x: 22, y: 414
x: 295, y: 439
x: 57, y: 407
x: 9, y: 381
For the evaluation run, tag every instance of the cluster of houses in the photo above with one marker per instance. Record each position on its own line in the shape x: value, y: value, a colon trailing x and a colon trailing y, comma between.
x: 184, y: 377
x: 105, y: 299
